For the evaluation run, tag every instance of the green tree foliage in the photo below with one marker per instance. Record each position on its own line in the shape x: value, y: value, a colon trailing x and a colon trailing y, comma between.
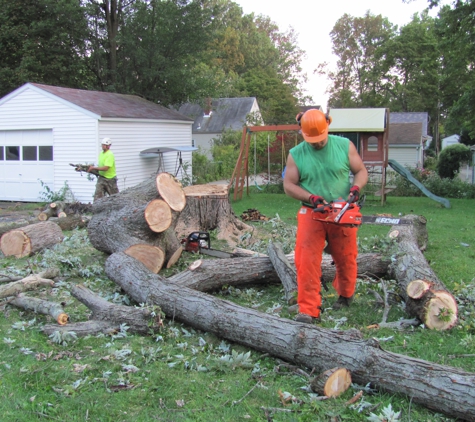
x: 42, y: 41
x: 358, y: 43
x: 450, y: 160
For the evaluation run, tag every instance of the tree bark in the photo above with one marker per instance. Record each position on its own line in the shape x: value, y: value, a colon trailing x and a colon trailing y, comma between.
x: 42, y: 307
x: 30, y: 239
x: 442, y: 388
x: 285, y: 271
x: 31, y: 282
x: 436, y: 308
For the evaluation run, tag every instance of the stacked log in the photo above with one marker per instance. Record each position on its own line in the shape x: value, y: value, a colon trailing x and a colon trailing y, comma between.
x: 25, y: 241
x: 55, y: 209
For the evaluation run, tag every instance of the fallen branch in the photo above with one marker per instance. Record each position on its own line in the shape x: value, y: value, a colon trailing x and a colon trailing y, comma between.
x: 42, y: 307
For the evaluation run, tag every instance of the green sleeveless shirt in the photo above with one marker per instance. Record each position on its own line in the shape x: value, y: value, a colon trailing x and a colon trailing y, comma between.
x: 324, y: 172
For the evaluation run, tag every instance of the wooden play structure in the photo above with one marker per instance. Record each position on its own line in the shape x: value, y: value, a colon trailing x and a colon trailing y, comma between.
x: 367, y: 128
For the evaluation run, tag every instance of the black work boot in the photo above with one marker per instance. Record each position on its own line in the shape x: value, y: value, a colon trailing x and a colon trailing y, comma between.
x: 343, y: 302
x: 307, y: 319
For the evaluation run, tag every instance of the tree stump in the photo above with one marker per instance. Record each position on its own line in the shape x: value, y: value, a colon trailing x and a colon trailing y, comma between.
x: 208, y: 208
x: 331, y: 383
x: 433, y: 304
x: 30, y: 239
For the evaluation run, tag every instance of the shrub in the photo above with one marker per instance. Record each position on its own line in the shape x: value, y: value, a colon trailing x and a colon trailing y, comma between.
x: 430, y: 163
x: 450, y: 159
x: 443, y: 187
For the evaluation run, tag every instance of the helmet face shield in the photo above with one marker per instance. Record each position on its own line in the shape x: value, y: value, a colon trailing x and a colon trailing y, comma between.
x: 314, y: 126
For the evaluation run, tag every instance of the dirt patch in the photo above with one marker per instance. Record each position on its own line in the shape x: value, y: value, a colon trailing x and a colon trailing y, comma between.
x: 13, y: 215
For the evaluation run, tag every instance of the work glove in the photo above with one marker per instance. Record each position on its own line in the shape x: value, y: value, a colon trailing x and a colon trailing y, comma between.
x: 316, y: 200
x: 354, y: 194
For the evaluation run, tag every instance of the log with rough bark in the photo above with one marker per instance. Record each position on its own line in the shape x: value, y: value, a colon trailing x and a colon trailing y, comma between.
x: 31, y: 282
x: 331, y: 383
x: 137, y: 216
x: 71, y: 222
x: 436, y: 307
x: 284, y: 270
x: 208, y: 208
x: 207, y: 275
x: 107, y: 317
x: 439, y: 387
x: 30, y: 239
x: 42, y: 307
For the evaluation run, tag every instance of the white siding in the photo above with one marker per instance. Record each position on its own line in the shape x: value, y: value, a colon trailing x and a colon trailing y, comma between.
x: 74, y: 136
x: 406, y: 156
x: 204, y: 142
x: 129, y: 137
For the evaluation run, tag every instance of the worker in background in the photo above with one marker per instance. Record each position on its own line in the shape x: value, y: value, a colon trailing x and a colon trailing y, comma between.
x: 317, y: 173
x: 107, y: 180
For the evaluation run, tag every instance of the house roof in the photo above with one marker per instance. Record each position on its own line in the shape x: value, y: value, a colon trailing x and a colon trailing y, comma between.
x: 110, y: 104
x: 405, y: 133
x: 226, y: 113
x: 410, y: 117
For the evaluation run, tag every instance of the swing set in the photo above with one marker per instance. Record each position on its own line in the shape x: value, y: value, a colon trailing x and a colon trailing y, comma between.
x: 241, y: 170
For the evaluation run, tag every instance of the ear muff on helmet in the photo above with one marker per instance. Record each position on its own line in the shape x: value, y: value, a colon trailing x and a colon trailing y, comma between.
x: 298, y: 117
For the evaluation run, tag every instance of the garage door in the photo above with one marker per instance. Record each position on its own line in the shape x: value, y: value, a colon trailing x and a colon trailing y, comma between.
x: 26, y: 160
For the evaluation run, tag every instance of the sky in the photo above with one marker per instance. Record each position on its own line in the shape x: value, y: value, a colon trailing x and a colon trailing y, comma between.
x: 313, y: 21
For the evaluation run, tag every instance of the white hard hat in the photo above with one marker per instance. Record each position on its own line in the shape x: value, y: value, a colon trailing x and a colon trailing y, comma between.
x: 107, y: 141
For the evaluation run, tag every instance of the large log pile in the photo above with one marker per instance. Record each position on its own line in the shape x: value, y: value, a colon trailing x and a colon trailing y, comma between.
x: 148, y: 220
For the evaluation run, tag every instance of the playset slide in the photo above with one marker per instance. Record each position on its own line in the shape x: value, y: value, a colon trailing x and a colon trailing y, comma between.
x: 404, y: 172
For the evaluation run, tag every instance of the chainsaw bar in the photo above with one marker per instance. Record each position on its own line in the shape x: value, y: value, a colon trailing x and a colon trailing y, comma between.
x: 392, y: 221
x: 216, y: 253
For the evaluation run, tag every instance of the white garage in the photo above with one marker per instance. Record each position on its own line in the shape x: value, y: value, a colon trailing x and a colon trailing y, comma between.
x: 45, y: 128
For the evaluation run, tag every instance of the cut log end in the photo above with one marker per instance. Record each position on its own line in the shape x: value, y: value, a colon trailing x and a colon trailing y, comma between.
x: 158, y: 215
x: 171, y: 190
x: 332, y: 382
x: 62, y: 319
x: 441, y: 311
x: 15, y: 243
x: 175, y: 257
x: 151, y: 256
x: 418, y: 288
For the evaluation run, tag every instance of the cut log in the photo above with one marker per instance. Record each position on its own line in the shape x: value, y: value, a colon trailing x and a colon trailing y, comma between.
x: 284, y: 270
x: 108, y: 317
x: 208, y: 208
x: 170, y: 189
x: 151, y: 256
x: 42, y: 307
x: 158, y: 215
x: 174, y: 257
x: 48, y: 212
x: 208, y: 275
x: 442, y: 388
x: 31, y: 282
x: 60, y: 209
x: 437, y: 307
x: 30, y: 239
x: 71, y: 222
x: 418, y: 288
x: 331, y: 383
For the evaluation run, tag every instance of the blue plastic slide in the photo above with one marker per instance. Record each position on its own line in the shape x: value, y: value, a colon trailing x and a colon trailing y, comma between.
x: 404, y: 172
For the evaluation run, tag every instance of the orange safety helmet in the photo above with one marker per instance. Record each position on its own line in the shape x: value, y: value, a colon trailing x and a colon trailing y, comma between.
x: 314, y: 124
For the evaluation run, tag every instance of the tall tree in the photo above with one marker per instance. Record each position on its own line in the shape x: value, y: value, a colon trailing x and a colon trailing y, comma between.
x: 357, y: 42
x: 42, y: 41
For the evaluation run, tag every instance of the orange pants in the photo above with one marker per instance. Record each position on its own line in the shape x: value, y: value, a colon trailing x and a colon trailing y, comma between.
x: 311, y: 236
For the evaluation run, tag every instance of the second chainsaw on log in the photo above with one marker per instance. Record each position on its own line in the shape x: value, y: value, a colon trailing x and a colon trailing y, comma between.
x: 200, y: 242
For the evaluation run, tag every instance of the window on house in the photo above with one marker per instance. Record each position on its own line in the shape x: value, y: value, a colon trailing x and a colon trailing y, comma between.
x: 12, y: 153
x: 2, y: 156
x: 29, y: 153
x: 46, y: 153
x: 373, y: 143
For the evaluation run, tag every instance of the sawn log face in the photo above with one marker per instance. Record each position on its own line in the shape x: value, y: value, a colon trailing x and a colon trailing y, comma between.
x: 439, y: 387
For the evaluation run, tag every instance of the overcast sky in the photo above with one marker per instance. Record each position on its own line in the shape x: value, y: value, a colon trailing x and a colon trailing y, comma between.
x: 313, y: 21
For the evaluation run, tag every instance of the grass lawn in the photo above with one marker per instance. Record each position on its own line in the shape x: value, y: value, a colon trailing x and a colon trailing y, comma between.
x: 180, y: 374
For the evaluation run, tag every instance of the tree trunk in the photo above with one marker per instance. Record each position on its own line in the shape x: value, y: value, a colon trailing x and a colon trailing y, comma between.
x: 30, y: 239
x: 208, y: 208
x: 208, y: 275
x: 285, y: 271
x: 436, y: 307
x: 442, y: 388
x: 42, y: 307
